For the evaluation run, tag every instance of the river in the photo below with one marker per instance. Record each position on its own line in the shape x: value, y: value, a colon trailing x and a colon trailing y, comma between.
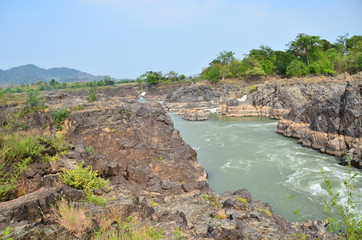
x: 248, y: 153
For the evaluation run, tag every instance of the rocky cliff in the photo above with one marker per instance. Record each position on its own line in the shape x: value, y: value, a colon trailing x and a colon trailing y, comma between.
x: 330, y: 122
x: 323, y: 112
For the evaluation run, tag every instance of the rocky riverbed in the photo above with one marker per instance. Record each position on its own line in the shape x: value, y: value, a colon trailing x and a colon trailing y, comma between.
x: 154, y: 175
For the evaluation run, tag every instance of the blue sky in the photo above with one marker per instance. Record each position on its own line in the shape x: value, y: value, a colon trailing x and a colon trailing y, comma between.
x: 125, y: 38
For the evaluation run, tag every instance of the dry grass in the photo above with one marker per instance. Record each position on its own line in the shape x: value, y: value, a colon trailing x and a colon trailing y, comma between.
x: 72, y: 218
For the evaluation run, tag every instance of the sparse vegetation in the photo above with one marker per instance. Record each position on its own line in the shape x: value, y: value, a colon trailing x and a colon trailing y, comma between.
x: 4, y: 235
x: 59, y: 116
x: 90, y: 149
x: 16, y: 153
x: 179, y: 234
x: 34, y: 102
x: 243, y: 200
x: 113, y: 228
x: 214, y: 200
x: 253, y: 88
x: 154, y: 204
x: 72, y: 217
x: 266, y: 210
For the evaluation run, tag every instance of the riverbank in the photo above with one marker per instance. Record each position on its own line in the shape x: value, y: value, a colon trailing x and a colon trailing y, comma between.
x: 154, y: 177
x: 323, y: 113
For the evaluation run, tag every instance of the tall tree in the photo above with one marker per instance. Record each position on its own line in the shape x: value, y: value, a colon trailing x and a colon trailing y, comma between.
x: 225, y: 57
x: 305, y: 47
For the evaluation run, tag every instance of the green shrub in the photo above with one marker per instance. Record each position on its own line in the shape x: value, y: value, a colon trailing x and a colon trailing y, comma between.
x: 243, y: 200
x: 341, y: 217
x: 297, y: 68
x: 4, y: 235
x: 84, y: 178
x: 16, y: 153
x: 59, y: 117
x: 34, y: 102
x: 57, y: 142
x: 92, y: 95
x: 253, y: 88
x: 266, y: 210
x: 90, y: 149
x: 14, y: 148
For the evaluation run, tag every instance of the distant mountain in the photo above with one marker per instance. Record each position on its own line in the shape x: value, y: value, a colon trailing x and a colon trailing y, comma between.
x: 31, y: 73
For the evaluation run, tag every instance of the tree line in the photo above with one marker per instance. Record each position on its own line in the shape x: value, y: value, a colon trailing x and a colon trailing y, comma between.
x: 54, y: 84
x: 306, y: 55
x: 154, y: 77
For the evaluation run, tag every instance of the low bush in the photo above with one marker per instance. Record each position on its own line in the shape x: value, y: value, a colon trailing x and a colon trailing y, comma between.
x: 58, y: 117
x: 91, y: 95
x: 84, y: 178
x: 16, y: 153
x: 253, y: 88
x: 34, y: 102
x: 342, y: 218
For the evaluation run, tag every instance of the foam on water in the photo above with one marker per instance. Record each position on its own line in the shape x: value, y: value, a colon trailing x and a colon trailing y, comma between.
x: 247, y: 153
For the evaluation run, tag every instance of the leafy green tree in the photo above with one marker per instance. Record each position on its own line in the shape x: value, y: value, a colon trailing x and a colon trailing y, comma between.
x: 304, y: 47
x: 224, y: 57
x: 340, y: 44
x: 53, y: 83
x: 172, y: 76
x: 236, y: 68
x: 265, y: 57
x: 262, y: 54
x: 297, y: 68
x: 107, y: 81
x: 182, y: 77
x: 215, y: 72
x: 151, y: 77
x: 282, y: 61
x: 252, y: 68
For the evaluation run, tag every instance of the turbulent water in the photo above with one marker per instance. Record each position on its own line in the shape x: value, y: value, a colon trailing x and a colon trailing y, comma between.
x: 247, y: 153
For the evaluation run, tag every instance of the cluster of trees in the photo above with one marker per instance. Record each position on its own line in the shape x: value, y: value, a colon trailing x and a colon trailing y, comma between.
x: 305, y: 55
x: 54, y: 84
x: 151, y: 77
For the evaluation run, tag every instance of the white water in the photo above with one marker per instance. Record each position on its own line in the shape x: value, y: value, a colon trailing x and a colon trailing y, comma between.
x: 247, y: 153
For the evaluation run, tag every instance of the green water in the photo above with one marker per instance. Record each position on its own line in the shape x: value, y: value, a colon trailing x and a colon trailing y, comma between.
x: 247, y: 153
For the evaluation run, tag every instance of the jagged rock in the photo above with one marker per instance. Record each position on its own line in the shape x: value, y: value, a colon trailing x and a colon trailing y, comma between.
x: 136, y: 141
x: 195, y: 115
x: 330, y: 122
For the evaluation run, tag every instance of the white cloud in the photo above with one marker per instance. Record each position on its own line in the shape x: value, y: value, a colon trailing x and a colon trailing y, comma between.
x: 163, y: 12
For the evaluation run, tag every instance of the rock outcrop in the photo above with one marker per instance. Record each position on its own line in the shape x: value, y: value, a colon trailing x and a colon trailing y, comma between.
x: 194, y: 114
x: 137, y: 143
x: 331, y: 122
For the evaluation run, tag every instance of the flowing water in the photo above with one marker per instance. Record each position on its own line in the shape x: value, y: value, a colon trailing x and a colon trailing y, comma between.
x: 248, y: 153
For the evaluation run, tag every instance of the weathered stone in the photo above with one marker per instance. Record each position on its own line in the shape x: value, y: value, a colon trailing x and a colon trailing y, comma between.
x: 195, y: 115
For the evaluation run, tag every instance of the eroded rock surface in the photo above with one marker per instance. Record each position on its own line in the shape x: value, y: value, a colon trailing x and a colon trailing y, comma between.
x: 330, y: 122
